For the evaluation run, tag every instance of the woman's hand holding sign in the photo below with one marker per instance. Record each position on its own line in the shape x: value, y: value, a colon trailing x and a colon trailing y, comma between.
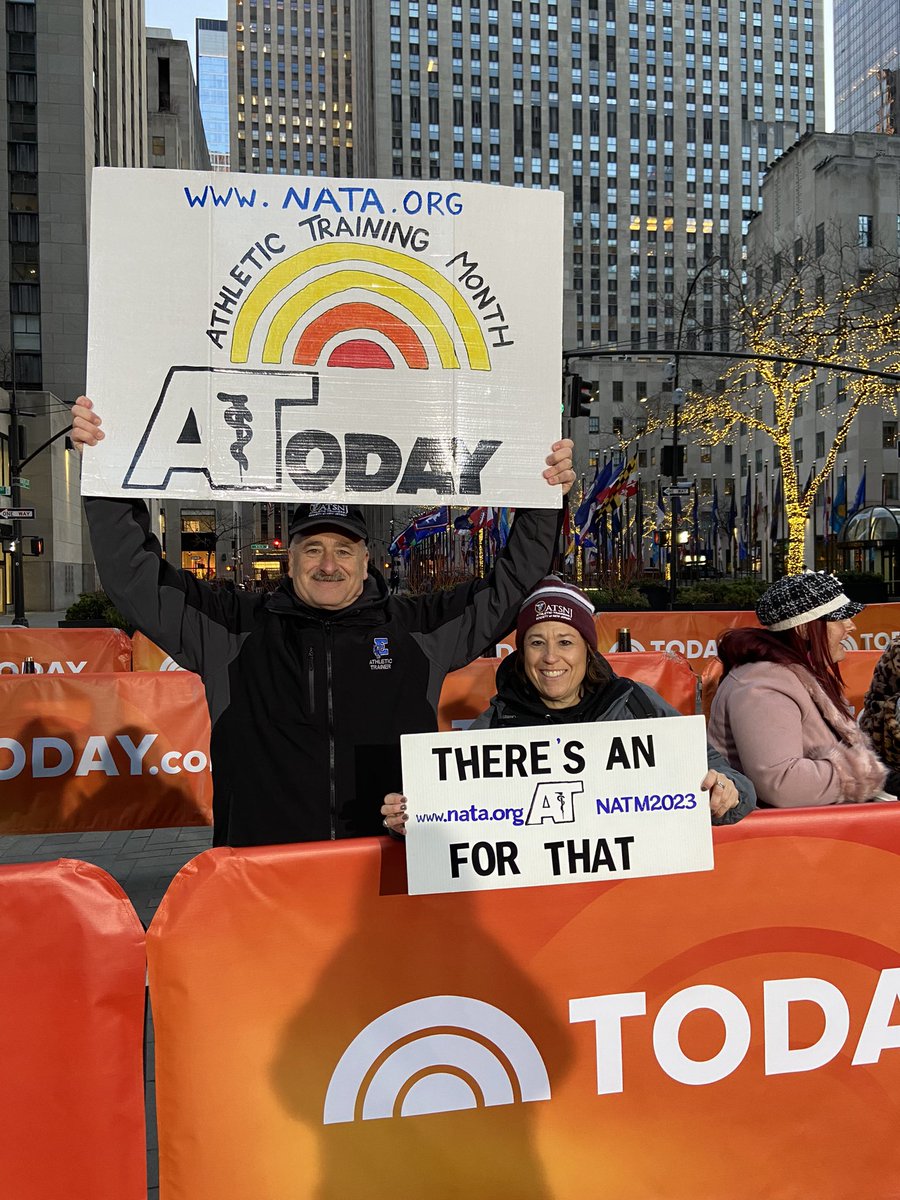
x: 394, y: 813
x: 723, y: 795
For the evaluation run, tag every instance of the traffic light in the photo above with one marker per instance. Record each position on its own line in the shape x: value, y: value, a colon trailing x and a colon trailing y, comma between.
x: 667, y: 461
x: 36, y: 546
x: 276, y: 543
x: 579, y: 396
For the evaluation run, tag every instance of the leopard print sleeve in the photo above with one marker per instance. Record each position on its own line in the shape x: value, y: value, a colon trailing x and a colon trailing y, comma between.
x: 879, y: 717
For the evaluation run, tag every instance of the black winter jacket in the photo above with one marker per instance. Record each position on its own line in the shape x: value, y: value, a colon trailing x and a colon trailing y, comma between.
x: 517, y: 703
x: 307, y: 706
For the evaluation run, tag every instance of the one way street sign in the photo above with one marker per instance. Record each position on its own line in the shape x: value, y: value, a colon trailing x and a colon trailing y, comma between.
x: 16, y: 514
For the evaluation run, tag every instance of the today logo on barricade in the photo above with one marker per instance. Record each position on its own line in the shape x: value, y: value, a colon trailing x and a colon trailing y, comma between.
x: 526, y: 807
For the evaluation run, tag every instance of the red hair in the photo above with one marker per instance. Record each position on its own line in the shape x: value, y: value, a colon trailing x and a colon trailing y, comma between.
x: 788, y: 647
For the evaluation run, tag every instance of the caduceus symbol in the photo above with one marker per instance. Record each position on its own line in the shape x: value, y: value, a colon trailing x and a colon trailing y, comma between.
x: 239, y: 417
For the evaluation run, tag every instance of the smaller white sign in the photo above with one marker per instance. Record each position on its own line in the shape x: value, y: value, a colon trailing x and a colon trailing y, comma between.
x: 559, y: 804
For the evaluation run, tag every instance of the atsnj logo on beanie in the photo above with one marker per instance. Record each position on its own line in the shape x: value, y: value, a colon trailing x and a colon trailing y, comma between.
x: 544, y: 611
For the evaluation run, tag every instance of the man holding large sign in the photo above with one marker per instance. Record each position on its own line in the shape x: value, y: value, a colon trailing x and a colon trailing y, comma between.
x: 309, y: 690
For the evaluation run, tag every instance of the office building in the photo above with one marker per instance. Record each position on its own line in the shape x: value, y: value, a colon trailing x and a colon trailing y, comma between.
x: 212, y: 85
x: 75, y: 97
x: 867, y: 66
x: 656, y: 119
x: 174, y: 123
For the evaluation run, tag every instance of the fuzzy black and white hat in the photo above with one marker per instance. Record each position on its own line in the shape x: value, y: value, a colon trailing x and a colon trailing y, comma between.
x: 796, y: 599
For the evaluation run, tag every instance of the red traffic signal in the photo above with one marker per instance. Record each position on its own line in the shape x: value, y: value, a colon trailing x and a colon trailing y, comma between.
x: 276, y: 544
x: 36, y: 546
x: 579, y: 396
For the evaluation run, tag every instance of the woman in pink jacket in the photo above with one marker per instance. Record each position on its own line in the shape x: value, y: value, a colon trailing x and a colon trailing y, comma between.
x: 780, y: 715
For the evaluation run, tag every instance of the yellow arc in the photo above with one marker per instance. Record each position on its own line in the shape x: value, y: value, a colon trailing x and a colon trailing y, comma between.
x: 340, y: 281
x: 318, y: 256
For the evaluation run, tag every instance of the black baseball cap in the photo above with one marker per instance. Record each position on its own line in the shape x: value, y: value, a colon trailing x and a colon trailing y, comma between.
x: 307, y: 518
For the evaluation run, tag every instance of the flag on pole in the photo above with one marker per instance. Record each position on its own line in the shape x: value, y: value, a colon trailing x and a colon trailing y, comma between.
x: 714, y: 524
x: 859, y: 499
x: 474, y: 519
x: 584, y: 515
x: 777, y: 505
x: 424, y: 526
x: 839, y: 506
x: 695, y: 532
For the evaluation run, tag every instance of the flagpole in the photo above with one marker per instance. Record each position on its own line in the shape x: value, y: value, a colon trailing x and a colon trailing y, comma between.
x: 843, y: 565
x: 766, y: 531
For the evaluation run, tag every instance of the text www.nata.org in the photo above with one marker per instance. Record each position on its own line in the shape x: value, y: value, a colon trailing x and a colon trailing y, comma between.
x: 516, y: 815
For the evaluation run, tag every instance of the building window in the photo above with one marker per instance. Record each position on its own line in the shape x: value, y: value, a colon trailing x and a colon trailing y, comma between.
x: 889, y: 490
x: 820, y: 443
x: 159, y: 147
x: 889, y: 435
x: 865, y: 226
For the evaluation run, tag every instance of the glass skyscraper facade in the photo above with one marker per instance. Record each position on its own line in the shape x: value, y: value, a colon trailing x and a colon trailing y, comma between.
x: 212, y: 86
x: 867, y: 66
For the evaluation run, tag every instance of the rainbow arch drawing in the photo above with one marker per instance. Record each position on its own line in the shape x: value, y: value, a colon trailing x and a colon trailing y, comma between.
x: 359, y: 268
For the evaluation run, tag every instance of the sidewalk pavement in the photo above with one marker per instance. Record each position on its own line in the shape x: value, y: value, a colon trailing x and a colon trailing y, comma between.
x: 36, y: 620
x: 144, y: 861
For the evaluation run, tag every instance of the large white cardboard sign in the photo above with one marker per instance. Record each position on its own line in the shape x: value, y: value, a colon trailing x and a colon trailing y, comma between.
x: 558, y: 804
x: 288, y: 338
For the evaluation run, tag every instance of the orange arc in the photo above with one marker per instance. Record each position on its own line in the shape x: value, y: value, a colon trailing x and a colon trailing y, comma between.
x: 345, y: 317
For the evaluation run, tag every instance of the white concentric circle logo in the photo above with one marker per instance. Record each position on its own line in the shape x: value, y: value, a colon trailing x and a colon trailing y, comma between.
x: 635, y: 645
x: 169, y: 664
x: 438, y: 1054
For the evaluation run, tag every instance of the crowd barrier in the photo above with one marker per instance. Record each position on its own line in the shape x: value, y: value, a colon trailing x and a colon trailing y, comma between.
x: 70, y: 751
x: 468, y: 691
x: 64, y: 651
x: 95, y: 752
x: 729, y: 1033
x: 694, y: 634
x: 147, y: 656
x: 71, y: 1036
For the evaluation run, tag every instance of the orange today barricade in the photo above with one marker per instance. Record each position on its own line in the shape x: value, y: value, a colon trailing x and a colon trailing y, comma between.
x: 121, y: 751
x: 147, y: 656
x: 64, y: 651
x: 71, y: 1035
x: 694, y: 633
x: 467, y: 692
x: 520, y: 1043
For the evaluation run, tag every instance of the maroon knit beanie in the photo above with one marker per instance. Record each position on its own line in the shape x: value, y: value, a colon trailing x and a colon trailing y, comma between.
x: 555, y: 600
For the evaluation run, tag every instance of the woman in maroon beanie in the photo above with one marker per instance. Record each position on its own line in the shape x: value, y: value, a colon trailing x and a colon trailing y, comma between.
x: 558, y: 676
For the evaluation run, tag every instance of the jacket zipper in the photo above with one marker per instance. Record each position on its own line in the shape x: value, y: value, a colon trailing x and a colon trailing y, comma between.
x: 331, y: 754
x: 311, y: 679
